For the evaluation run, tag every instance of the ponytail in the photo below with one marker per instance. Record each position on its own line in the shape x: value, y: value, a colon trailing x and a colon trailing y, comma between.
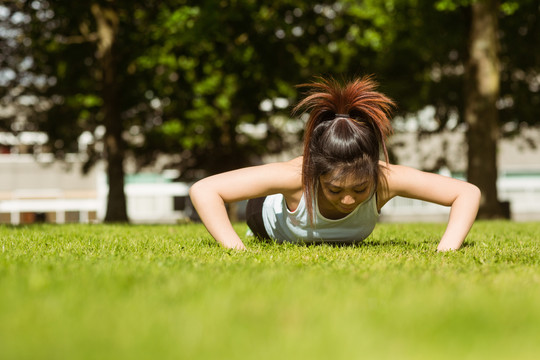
x: 347, y: 128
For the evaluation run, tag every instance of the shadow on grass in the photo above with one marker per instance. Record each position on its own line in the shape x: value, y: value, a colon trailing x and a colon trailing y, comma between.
x: 337, y: 244
x: 390, y: 243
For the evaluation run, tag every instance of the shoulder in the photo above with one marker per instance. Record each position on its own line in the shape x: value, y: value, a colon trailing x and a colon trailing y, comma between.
x: 391, y: 174
x: 398, y: 180
x: 287, y: 173
x: 395, y: 179
x: 286, y: 178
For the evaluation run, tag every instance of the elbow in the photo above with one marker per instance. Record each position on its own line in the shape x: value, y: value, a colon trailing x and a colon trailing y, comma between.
x: 469, y: 196
x: 475, y: 195
x: 196, y: 190
x: 202, y: 191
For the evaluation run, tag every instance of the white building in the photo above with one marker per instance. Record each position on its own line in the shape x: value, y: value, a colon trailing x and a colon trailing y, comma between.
x: 40, y: 189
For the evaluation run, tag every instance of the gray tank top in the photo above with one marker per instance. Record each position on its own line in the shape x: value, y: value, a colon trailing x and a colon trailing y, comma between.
x: 293, y: 226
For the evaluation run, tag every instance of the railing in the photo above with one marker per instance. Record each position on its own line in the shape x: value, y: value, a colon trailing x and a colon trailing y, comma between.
x: 58, y: 210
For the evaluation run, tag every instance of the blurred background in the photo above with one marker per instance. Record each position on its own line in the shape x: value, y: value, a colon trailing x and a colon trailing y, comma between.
x: 109, y: 110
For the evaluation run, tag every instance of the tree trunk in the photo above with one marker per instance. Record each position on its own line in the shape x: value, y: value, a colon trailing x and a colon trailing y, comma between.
x: 107, y: 28
x: 481, y: 115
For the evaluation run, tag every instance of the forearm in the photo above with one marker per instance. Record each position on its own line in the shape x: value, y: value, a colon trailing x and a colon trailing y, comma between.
x: 213, y: 213
x: 462, y: 216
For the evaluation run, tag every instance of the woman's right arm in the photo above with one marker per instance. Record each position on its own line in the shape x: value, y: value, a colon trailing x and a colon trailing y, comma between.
x: 210, y: 194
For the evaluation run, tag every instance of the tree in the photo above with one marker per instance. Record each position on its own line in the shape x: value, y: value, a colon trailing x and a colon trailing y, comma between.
x: 85, y: 49
x: 481, y: 114
x: 107, y: 27
x: 186, y: 78
x: 498, y: 57
x: 220, y: 61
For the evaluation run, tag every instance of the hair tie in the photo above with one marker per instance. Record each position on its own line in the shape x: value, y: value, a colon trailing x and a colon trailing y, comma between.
x: 342, y: 115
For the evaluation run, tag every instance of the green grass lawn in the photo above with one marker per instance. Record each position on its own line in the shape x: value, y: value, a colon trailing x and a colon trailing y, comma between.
x: 169, y: 292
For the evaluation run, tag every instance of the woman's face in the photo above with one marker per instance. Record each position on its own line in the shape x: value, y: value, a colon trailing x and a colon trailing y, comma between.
x: 345, y: 194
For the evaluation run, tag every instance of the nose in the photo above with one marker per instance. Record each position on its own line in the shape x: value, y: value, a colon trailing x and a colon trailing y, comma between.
x: 347, y: 200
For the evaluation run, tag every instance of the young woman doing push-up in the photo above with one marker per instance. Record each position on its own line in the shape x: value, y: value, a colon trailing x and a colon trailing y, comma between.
x: 335, y: 191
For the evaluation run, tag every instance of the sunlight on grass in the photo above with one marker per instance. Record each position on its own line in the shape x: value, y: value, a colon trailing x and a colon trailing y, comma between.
x: 111, y: 291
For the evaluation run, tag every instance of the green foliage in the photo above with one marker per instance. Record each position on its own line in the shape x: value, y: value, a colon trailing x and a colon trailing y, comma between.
x: 519, y: 24
x: 207, y: 66
x: 139, y: 292
x: 225, y: 59
x: 508, y: 7
x: 451, y: 5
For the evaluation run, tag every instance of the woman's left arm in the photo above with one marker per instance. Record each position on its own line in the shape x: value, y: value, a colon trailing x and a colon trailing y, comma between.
x: 463, y: 197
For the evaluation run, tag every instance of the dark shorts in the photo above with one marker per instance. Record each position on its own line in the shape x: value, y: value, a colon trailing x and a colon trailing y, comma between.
x: 254, y: 217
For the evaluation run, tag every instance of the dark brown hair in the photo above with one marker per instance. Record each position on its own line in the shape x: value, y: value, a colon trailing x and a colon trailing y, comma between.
x: 346, y: 130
